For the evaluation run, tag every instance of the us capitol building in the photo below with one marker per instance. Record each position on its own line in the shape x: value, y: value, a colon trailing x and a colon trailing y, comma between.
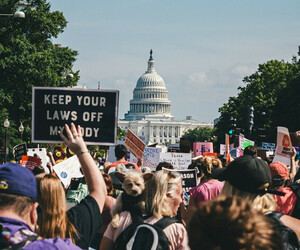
x: 150, y: 116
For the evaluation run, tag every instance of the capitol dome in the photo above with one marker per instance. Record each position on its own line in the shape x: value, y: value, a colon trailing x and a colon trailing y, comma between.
x: 150, y: 97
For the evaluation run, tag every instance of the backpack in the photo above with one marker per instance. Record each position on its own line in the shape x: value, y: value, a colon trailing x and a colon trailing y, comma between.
x: 289, y: 237
x: 20, y: 239
x: 141, y: 235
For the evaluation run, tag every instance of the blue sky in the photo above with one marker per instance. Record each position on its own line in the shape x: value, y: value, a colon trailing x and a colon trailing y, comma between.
x: 202, y: 49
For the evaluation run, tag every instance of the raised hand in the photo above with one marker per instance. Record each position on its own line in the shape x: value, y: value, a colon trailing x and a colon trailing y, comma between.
x: 74, y: 139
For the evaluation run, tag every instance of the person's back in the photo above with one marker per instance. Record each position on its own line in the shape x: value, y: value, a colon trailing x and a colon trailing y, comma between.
x: 18, y: 215
x: 121, y: 154
x: 162, y: 198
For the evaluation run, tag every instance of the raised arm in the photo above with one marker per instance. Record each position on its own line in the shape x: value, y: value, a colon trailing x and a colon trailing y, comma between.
x: 93, y: 177
x: 293, y: 165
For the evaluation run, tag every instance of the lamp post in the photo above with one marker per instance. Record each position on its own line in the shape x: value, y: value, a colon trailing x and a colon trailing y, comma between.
x: 17, y: 14
x: 6, y: 125
x: 21, y: 130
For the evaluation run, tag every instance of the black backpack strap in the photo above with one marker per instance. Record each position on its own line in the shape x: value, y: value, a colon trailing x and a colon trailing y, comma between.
x: 165, y: 222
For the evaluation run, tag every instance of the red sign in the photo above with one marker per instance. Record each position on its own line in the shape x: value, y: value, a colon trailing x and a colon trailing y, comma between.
x: 134, y: 144
x: 210, y: 154
x: 30, y: 162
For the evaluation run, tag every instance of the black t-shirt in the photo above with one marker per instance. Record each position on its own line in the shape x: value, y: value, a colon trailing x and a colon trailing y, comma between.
x: 86, y: 217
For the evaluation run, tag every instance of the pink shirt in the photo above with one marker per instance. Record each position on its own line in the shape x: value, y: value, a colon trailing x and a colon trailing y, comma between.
x: 285, y: 204
x: 176, y: 232
x: 206, y: 191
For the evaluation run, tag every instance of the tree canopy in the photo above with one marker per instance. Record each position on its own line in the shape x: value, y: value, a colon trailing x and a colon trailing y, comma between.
x: 29, y: 58
x: 199, y: 134
x: 262, y: 90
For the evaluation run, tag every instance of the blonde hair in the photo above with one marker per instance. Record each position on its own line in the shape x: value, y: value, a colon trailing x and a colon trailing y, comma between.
x: 156, y: 189
x: 206, y: 165
x: 53, y: 221
x: 262, y: 203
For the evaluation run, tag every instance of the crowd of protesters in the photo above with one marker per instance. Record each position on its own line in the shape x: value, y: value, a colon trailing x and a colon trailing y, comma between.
x: 247, y: 204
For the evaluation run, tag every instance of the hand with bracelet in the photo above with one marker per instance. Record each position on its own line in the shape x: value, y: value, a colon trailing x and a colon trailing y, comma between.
x: 74, y: 139
x: 92, y: 175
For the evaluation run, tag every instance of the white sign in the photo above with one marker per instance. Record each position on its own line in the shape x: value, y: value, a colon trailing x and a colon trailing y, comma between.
x: 41, y: 153
x: 283, y: 147
x: 178, y: 160
x: 68, y: 169
x: 150, y: 157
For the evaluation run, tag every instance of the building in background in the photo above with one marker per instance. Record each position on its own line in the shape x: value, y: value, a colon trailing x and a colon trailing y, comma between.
x: 150, y: 116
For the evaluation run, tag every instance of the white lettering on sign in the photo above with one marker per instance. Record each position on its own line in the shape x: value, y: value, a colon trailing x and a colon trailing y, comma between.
x: 63, y: 115
x: 92, y: 116
x: 57, y: 99
x: 89, y: 132
x: 54, y: 130
x: 86, y: 132
x: 91, y: 101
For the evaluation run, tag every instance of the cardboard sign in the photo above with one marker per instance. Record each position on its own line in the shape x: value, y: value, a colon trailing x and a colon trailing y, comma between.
x: 134, y: 144
x: 68, y: 169
x: 96, y: 111
x: 19, y: 151
x: 178, y: 160
x: 189, y: 178
x: 30, y: 162
x: 201, y: 147
x: 151, y: 157
x: 42, y: 154
x: 283, y: 149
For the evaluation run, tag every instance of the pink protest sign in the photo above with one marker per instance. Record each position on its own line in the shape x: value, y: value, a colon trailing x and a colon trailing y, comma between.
x: 202, y: 147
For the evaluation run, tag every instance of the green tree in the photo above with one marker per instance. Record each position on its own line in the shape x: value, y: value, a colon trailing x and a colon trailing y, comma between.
x: 29, y: 58
x: 120, y: 133
x: 199, y: 134
x: 261, y: 91
x: 287, y: 106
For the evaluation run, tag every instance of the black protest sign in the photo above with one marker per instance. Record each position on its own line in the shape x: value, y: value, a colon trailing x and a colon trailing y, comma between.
x: 19, y: 151
x: 96, y: 111
x: 189, y: 177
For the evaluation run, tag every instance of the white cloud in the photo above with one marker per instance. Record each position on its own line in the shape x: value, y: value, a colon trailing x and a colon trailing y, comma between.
x: 198, y: 77
x: 243, y: 70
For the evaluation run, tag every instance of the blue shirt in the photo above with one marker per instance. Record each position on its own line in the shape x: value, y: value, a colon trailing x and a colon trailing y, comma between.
x: 14, y: 225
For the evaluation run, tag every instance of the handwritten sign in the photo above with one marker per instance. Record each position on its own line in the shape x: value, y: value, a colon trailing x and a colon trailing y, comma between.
x: 178, y: 160
x: 68, y: 169
x: 96, y: 111
x: 151, y: 157
x: 134, y: 144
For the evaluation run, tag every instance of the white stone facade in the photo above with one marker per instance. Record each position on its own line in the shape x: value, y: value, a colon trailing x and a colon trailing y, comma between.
x: 150, y: 116
x: 160, y: 131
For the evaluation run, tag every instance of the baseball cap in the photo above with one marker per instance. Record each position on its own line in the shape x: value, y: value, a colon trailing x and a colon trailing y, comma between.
x: 15, y: 179
x: 279, y: 169
x: 246, y: 173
